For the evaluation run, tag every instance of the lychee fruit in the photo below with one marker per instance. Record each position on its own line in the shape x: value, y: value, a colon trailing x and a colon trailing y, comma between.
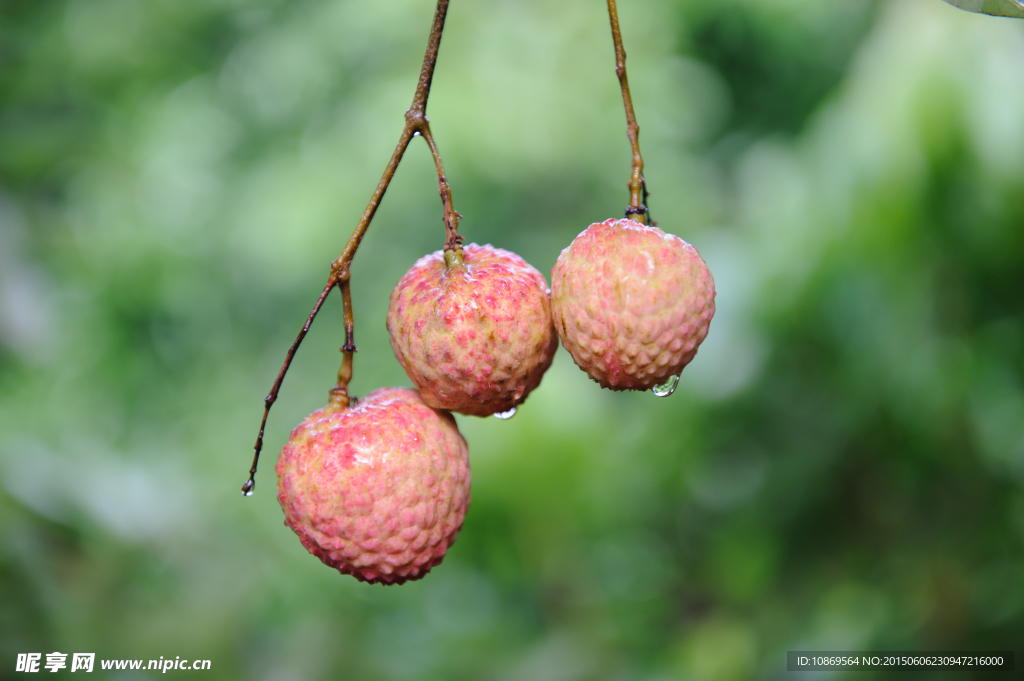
x: 473, y: 329
x: 631, y: 303
x: 377, y: 490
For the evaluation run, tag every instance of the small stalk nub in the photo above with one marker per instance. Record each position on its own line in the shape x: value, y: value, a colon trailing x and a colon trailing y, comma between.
x: 338, y: 398
x: 453, y: 257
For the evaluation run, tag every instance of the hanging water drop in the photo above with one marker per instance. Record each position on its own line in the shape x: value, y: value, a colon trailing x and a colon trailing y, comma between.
x: 249, y: 486
x: 506, y: 415
x: 666, y: 388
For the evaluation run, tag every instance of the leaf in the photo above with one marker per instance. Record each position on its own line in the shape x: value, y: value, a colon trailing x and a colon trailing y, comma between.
x: 999, y: 8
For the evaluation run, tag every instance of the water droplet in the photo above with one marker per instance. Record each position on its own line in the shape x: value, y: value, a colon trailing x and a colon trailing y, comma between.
x: 666, y: 388
x: 506, y: 415
x: 248, y: 487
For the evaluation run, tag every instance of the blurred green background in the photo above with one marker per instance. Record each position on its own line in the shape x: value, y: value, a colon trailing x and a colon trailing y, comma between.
x: 842, y: 466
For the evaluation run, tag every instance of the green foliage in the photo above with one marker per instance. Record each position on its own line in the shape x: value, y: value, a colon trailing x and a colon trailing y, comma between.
x: 840, y: 468
x: 999, y: 8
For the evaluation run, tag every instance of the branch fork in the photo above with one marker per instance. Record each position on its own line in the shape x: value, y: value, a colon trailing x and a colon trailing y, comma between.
x: 416, y: 124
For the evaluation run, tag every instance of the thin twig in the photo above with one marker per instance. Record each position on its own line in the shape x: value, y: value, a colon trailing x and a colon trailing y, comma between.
x: 451, y: 216
x: 646, y: 203
x: 350, y: 322
x: 271, y: 397
x: 637, y: 186
x: 415, y: 123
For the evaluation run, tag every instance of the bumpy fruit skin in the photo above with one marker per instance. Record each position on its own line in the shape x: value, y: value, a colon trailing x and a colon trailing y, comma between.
x: 377, y: 490
x: 631, y: 303
x: 475, y: 338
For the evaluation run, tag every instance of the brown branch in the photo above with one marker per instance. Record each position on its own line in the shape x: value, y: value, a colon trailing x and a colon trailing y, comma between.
x: 271, y: 397
x: 637, y: 185
x: 416, y: 123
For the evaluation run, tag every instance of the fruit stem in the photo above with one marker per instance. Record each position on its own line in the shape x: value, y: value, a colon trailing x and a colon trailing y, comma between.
x: 451, y: 216
x: 416, y: 123
x: 350, y: 322
x: 338, y: 397
x: 637, y: 184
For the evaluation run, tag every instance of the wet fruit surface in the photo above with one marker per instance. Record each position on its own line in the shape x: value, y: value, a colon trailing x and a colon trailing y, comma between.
x: 378, y: 490
x: 631, y: 303
x: 474, y: 337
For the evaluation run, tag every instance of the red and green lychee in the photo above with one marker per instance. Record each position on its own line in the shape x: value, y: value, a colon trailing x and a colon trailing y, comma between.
x: 473, y: 329
x: 631, y: 303
x: 377, y: 490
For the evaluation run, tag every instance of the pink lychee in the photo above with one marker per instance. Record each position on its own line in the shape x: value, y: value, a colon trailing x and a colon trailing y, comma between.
x: 631, y: 303
x: 474, y: 336
x: 377, y: 490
